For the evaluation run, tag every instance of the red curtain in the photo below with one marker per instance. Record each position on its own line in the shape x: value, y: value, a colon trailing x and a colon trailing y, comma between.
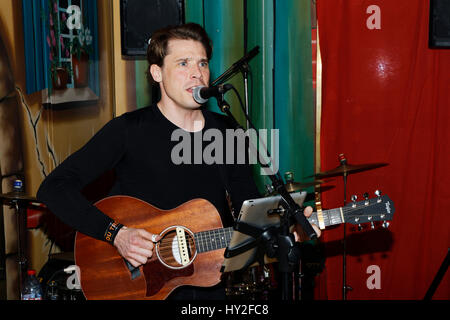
x: 386, y: 98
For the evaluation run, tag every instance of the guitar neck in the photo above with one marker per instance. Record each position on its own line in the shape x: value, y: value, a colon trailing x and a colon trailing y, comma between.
x: 220, y: 238
x: 326, y: 218
x: 213, y: 239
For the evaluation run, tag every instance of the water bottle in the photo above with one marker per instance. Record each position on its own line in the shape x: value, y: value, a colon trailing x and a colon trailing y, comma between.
x: 18, y: 186
x: 32, y: 289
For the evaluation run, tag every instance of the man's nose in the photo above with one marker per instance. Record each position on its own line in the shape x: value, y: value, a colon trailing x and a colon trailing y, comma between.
x: 196, y: 72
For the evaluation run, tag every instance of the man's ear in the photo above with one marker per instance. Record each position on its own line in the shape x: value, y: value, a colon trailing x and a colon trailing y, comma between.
x: 156, y: 73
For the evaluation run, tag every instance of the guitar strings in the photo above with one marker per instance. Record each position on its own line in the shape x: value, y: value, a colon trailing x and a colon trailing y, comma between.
x: 206, y: 238
x: 166, y: 245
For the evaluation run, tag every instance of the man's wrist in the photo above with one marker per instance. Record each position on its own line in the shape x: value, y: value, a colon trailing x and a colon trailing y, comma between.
x: 111, y: 231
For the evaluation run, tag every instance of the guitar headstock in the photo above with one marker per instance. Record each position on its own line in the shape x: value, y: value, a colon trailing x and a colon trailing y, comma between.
x: 380, y: 208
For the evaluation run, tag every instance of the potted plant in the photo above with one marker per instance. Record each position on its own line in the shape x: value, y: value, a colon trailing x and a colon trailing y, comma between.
x: 59, y: 72
x: 80, y: 49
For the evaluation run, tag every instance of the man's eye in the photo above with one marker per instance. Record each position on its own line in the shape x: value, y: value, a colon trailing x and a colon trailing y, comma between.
x: 203, y: 64
x: 183, y: 63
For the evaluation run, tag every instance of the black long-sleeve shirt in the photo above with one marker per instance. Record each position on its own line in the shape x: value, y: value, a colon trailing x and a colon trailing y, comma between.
x: 138, y: 147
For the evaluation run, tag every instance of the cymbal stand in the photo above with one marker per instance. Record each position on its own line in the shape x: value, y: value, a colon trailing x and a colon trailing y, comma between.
x: 345, y: 287
x: 21, y: 240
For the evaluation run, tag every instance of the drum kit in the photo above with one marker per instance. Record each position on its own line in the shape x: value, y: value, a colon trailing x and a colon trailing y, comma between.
x: 258, y: 283
x: 21, y: 202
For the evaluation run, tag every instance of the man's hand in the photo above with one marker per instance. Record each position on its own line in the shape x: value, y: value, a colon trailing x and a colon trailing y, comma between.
x: 135, y: 245
x: 299, y: 234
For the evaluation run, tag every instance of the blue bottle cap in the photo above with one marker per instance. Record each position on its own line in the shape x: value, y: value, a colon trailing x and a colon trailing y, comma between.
x: 18, y: 185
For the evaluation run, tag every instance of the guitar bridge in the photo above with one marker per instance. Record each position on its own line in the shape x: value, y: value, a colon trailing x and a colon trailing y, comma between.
x: 182, y: 246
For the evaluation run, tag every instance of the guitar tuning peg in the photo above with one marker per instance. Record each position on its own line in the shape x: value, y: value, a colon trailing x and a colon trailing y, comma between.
x: 385, y: 224
x: 360, y: 227
x: 353, y: 198
x: 366, y: 196
x: 372, y: 226
x: 378, y: 194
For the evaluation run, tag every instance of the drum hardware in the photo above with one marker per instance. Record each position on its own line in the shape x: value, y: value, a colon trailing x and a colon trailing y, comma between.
x: 253, y: 283
x: 344, y: 169
x: 58, y: 290
x: 56, y: 277
x: 19, y: 200
x: 292, y: 186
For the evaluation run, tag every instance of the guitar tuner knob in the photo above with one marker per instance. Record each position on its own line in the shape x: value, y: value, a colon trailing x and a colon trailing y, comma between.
x: 366, y: 196
x: 360, y: 227
x: 353, y: 198
x: 378, y: 194
x: 385, y: 224
x: 372, y: 226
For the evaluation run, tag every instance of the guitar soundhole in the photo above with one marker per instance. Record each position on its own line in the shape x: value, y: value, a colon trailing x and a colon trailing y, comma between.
x: 173, y: 253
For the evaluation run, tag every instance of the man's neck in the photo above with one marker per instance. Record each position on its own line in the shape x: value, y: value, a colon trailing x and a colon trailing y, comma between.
x: 191, y: 120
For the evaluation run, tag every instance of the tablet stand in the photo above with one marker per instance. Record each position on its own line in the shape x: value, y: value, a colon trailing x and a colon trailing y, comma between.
x: 276, y: 242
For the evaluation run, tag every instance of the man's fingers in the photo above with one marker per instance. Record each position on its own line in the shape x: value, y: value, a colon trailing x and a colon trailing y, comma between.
x: 149, y: 236
x: 133, y: 262
x: 138, y: 251
x: 316, y: 229
x: 135, y: 245
x: 308, y: 211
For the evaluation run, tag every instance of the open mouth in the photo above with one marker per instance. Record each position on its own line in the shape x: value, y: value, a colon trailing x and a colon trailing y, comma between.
x: 191, y: 89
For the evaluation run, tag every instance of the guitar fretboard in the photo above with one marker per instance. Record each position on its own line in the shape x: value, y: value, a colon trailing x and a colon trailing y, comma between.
x: 213, y: 239
x: 331, y: 217
x: 220, y: 238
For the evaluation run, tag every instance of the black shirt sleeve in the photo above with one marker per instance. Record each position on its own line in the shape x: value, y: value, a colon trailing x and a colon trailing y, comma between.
x: 61, y: 190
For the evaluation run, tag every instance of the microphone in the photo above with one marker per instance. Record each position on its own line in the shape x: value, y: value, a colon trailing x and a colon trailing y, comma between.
x: 201, y: 94
x: 236, y: 66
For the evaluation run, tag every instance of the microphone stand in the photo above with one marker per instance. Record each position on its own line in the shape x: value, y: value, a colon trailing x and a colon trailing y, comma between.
x: 239, y: 66
x: 288, y: 253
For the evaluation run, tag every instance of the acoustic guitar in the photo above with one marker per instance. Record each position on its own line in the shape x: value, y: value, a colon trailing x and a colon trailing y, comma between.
x: 191, y: 249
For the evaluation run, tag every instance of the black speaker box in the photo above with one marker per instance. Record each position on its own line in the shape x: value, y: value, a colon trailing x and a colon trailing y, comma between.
x: 140, y: 18
x: 439, y: 24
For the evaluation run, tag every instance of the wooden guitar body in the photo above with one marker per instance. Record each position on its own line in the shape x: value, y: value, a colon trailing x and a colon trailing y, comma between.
x: 104, y: 273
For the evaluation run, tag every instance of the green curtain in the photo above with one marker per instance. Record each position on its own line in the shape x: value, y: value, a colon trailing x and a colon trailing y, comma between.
x: 294, y: 103
x: 260, y: 32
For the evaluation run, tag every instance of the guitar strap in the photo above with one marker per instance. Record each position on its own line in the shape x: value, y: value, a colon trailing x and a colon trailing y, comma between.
x: 218, y: 122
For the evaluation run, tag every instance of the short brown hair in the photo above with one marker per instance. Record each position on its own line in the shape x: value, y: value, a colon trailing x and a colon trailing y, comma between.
x: 157, y: 49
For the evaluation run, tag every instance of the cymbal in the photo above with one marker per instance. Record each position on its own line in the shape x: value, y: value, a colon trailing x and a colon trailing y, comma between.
x: 297, y: 186
x: 345, y: 169
x: 292, y: 186
x: 18, y: 196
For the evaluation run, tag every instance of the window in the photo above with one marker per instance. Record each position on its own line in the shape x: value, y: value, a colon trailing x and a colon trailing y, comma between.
x: 61, y: 49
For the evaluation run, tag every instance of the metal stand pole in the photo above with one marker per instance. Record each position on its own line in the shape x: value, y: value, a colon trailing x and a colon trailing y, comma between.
x: 344, y: 247
x: 21, y: 242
